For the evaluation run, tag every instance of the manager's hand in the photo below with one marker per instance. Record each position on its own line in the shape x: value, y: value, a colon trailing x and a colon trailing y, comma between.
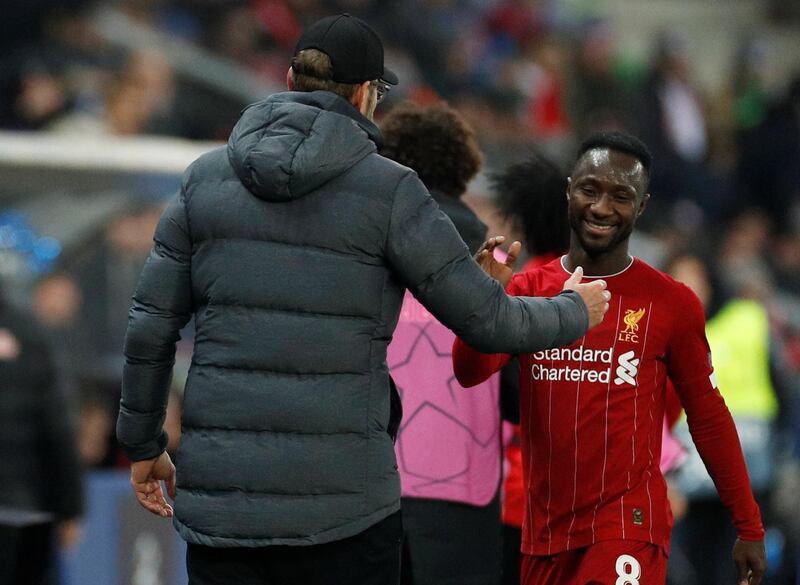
x: 594, y: 294
x: 750, y: 560
x: 146, y: 477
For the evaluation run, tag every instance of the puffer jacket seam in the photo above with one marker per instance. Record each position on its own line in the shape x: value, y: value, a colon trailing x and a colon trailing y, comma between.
x: 270, y: 431
x: 448, y: 264
x: 266, y: 493
x: 391, y: 210
x: 289, y: 170
x: 306, y: 136
x: 281, y: 372
x: 375, y: 332
x: 331, y: 251
x: 259, y: 133
x: 292, y: 311
x: 152, y: 309
x: 140, y: 412
x: 185, y: 193
x: 306, y: 538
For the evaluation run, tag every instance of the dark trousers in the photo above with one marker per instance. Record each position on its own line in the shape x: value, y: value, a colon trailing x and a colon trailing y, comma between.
x: 447, y: 543
x: 512, y: 542
x: 369, y: 558
x: 26, y: 555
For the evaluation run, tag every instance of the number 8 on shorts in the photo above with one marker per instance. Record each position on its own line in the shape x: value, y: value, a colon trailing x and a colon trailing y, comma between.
x: 628, y: 570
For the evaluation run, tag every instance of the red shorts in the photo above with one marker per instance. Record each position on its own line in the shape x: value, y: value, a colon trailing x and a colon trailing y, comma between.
x: 611, y: 562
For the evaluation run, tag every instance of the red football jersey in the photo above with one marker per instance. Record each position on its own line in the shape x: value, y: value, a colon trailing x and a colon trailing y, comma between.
x: 592, y: 415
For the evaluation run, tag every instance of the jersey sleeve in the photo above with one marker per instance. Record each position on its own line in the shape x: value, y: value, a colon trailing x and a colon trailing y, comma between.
x: 710, y: 423
x: 472, y: 367
x: 673, y: 408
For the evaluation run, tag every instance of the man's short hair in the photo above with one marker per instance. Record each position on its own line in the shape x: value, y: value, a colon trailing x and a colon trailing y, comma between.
x: 312, y: 71
x: 531, y: 195
x: 620, y: 142
x: 436, y: 142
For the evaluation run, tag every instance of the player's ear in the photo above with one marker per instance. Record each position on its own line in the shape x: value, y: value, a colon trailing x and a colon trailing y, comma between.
x: 569, y: 184
x: 642, y: 205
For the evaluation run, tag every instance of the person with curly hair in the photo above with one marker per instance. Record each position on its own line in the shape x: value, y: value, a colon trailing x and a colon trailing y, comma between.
x: 530, y: 196
x: 449, y: 443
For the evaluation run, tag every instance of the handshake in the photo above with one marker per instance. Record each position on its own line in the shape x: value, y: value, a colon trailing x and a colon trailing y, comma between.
x: 593, y: 294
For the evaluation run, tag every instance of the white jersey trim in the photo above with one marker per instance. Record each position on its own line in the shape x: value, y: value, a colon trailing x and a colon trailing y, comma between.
x: 564, y: 268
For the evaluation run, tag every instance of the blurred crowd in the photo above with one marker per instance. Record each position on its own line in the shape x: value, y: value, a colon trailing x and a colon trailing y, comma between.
x: 523, y: 73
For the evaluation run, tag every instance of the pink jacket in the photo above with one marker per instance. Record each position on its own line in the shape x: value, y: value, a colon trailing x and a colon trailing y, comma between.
x: 448, y: 446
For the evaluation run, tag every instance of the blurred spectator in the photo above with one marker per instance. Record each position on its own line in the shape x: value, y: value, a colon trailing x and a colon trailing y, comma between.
x: 96, y: 423
x: 108, y: 270
x: 41, y: 499
x: 738, y: 334
x: 33, y: 98
x: 749, y: 94
x: 242, y: 36
x: 743, y: 256
x: 139, y: 100
x: 597, y: 97
x: 546, y: 109
x: 57, y: 302
x: 677, y: 116
x: 787, y: 262
x: 783, y: 12
x: 768, y: 173
x: 518, y: 20
x: 672, y: 122
x: 62, y: 68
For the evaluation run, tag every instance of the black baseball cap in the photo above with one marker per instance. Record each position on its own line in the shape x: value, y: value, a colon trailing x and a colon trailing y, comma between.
x: 355, y: 49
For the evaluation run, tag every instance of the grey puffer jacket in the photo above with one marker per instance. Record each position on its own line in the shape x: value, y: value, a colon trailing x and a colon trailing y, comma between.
x: 292, y: 249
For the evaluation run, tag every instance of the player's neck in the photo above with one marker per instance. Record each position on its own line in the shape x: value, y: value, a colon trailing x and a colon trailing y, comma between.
x: 605, y: 264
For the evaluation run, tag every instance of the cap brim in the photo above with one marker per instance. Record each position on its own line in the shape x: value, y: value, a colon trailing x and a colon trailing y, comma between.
x: 389, y: 76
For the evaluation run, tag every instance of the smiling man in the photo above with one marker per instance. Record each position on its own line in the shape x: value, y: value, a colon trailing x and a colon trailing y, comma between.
x: 592, y: 411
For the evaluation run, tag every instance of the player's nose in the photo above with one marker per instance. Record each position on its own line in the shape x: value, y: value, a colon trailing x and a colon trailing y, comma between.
x: 601, y: 206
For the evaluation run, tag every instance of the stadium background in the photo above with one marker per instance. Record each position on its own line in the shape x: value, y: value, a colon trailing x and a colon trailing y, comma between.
x: 103, y: 104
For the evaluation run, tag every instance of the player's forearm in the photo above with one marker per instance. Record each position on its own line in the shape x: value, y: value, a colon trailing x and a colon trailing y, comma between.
x: 472, y: 367
x: 717, y: 442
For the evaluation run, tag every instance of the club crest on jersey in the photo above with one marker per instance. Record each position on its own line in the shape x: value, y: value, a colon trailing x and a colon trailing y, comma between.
x: 631, y: 320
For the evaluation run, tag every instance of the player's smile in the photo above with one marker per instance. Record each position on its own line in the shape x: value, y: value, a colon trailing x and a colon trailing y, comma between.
x: 597, y: 228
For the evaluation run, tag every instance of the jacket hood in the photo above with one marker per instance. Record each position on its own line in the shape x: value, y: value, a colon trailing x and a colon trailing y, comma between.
x: 292, y: 143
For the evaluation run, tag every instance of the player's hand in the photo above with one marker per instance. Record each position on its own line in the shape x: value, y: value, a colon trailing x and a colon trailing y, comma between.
x: 500, y: 271
x: 750, y: 559
x: 594, y: 294
x: 146, y: 477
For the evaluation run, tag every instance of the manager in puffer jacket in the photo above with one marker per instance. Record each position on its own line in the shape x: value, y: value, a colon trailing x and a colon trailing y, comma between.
x: 292, y: 248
